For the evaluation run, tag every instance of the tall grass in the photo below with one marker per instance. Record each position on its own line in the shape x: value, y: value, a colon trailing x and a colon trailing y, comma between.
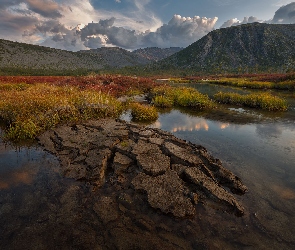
x: 33, y: 108
x: 262, y: 101
x: 167, y: 96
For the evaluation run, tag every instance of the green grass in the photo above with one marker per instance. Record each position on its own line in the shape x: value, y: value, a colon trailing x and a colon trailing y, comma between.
x: 32, y: 109
x: 261, y: 101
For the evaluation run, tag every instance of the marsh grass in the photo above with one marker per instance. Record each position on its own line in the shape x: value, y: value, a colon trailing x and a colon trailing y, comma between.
x: 255, y: 84
x: 167, y: 96
x: 27, y: 110
x: 262, y: 101
x: 141, y: 112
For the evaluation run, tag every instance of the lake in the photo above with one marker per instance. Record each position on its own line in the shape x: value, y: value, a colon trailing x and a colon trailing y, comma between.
x: 38, y: 205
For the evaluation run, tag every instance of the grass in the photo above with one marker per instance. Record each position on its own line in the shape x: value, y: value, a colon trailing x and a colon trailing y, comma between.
x: 166, y: 96
x: 141, y: 112
x: 262, y: 101
x: 32, y: 108
x: 255, y: 84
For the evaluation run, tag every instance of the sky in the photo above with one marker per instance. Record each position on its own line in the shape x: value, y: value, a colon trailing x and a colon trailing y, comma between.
x: 130, y: 24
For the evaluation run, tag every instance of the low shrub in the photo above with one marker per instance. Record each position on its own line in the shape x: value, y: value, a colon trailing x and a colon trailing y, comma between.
x: 141, y: 112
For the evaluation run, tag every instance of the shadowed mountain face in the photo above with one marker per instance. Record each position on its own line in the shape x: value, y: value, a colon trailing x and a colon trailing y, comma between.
x: 250, y: 47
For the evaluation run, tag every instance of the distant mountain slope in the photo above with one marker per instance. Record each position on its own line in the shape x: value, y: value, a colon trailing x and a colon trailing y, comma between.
x: 250, y: 47
x: 116, y: 57
x: 22, y: 58
x: 26, y: 56
x: 156, y: 54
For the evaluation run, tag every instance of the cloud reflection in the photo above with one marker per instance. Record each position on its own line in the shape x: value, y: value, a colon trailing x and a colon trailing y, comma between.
x: 22, y: 176
x: 177, y: 122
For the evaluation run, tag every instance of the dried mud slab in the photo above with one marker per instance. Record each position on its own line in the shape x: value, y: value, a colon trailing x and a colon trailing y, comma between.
x: 173, y: 174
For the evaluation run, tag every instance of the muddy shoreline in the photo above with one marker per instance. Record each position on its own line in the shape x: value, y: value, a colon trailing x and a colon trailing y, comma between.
x: 119, y: 200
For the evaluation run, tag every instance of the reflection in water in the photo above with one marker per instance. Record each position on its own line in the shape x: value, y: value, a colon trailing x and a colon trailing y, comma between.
x: 22, y: 176
x: 17, y: 164
x: 181, y: 122
x: 263, y: 155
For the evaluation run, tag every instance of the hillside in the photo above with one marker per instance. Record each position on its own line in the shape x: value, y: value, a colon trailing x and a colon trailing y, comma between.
x: 239, y: 49
x: 156, y: 54
x: 22, y: 58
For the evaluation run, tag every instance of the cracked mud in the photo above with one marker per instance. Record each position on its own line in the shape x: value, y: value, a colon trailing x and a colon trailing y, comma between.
x: 171, y: 174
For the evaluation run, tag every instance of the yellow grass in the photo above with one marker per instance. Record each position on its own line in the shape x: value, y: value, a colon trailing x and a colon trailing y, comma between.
x: 31, y: 109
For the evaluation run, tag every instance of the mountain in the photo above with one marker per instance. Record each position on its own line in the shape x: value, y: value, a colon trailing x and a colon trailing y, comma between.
x: 246, y: 48
x: 22, y: 58
x: 116, y: 57
x: 156, y: 54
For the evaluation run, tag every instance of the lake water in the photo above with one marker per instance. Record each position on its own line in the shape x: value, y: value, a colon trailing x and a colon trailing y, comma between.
x: 257, y: 146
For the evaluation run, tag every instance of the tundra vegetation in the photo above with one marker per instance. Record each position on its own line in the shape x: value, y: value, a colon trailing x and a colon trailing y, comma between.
x: 31, y: 105
x: 166, y: 96
x: 261, y: 101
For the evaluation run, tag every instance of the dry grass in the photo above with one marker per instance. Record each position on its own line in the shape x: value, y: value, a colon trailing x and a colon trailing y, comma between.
x: 30, y: 109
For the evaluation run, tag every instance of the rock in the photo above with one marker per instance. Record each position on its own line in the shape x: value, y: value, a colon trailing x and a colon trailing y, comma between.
x: 173, y: 175
x: 213, y: 190
x: 181, y: 155
x: 165, y: 192
x: 121, y: 163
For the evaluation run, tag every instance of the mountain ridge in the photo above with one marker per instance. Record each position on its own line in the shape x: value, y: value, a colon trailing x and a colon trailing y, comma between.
x: 243, y: 48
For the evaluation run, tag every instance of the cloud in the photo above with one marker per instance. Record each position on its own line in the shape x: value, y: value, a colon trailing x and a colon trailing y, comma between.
x: 46, y: 8
x: 235, y: 21
x: 179, y: 32
x: 75, y: 25
x: 92, y: 34
x: 285, y: 14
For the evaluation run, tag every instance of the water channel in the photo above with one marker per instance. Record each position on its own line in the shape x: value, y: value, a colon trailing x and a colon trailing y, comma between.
x: 257, y: 146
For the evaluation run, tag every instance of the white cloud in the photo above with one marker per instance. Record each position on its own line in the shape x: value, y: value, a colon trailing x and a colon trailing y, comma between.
x: 235, y: 21
x: 180, y: 31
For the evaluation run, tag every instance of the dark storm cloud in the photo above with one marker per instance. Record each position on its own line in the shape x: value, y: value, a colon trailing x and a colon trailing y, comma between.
x: 285, y: 14
x: 118, y: 36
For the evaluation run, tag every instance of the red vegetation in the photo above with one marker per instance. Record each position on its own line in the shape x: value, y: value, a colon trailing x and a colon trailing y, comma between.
x: 114, y: 85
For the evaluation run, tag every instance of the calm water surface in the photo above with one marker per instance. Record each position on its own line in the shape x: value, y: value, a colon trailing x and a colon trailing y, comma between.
x: 257, y: 146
